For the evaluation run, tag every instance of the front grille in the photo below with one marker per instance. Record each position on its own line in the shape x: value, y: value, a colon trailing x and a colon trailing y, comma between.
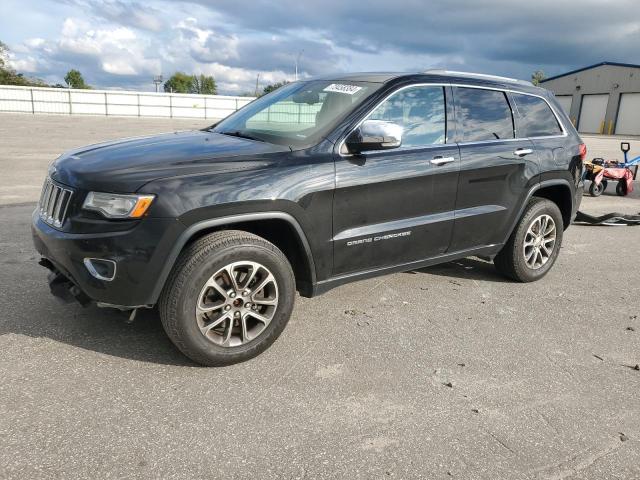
x: 54, y: 202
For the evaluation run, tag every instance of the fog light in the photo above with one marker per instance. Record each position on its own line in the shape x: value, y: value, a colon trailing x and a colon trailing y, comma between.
x: 101, y: 268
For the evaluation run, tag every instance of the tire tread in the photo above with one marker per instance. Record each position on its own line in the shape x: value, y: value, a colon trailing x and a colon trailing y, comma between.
x: 507, y: 261
x: 192, y: 256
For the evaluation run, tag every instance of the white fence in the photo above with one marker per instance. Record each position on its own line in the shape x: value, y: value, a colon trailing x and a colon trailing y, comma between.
x: 117, y: 103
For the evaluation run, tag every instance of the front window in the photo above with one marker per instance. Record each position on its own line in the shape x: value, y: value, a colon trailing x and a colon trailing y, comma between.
x: 421, y: 113
x: 297, y: 115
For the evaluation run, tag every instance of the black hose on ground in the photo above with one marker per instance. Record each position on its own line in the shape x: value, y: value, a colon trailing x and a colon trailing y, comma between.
x: 608, y: 219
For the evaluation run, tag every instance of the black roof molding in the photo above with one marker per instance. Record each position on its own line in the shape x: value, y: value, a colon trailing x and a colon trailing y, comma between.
x: 615, y: 64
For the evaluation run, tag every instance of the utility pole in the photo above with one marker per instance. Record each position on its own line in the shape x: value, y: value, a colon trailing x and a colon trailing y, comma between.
x: 297, y: 61
x: 257, y: 80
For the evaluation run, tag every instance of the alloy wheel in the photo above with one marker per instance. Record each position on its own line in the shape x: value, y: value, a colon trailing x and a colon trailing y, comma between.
x: 539, y: 241
x: 237, y: 303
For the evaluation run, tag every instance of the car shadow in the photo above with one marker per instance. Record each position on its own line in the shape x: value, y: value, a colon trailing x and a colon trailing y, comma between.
x: 470, y: 268
x: 104, y: 331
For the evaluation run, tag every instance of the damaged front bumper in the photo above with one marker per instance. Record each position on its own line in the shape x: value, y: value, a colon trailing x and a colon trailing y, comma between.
x: 62, y: 287
x: 79, y: 262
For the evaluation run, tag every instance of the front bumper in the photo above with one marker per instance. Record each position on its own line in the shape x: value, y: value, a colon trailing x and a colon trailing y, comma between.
x: 139, y: 253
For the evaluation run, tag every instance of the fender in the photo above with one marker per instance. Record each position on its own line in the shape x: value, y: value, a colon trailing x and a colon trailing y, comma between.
x: 228, y: 220
x: 532, y: 190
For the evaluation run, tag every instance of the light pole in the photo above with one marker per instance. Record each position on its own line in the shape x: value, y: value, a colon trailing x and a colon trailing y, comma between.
x: 157, y: 80
x: 297, y: 61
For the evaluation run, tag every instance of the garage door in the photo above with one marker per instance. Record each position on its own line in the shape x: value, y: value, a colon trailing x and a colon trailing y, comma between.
x: 628, y: 122
x: 565, y: 102
x: 592, y: 113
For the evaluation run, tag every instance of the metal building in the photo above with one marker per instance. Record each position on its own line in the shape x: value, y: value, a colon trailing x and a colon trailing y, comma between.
x: 601, y: 98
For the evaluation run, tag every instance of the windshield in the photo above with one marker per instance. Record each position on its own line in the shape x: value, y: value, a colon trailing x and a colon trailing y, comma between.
x: 297, y: 115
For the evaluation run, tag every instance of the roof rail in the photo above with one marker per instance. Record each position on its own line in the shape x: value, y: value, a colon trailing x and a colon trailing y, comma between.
x: 437, y: 71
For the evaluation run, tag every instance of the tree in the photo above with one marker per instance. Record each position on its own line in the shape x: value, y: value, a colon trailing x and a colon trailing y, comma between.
x: 205, y: 85
x: 4, y: 54
x: 273, y: 86
x: 537, y: 77
x: 180, y: 82
x: 75, y: 79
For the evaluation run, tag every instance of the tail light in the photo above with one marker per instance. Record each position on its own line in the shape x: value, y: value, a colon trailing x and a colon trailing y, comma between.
x: 583, y: 151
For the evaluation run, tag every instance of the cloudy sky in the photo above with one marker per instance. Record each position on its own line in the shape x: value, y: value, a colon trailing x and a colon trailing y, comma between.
x: 123, y: 43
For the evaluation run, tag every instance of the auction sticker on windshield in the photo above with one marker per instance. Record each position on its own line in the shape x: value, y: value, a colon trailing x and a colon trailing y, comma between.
x: 342, y: 88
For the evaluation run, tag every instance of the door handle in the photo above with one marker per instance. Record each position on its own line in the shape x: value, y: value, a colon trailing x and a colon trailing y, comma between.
x: 442, y: 160
x: 521, y: 152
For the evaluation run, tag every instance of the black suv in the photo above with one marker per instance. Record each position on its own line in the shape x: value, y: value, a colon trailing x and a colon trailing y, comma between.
x: 317, y: 184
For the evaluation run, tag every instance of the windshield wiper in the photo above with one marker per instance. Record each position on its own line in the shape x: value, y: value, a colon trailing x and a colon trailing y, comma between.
x: 238, y: 133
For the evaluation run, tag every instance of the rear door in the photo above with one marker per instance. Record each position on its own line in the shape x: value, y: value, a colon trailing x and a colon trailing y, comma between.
x: 496, y: 169
x: 396, y: 206
x: 537, y: 121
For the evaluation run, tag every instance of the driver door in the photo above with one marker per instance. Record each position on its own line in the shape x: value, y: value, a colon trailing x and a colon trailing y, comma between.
x: 396, y: 206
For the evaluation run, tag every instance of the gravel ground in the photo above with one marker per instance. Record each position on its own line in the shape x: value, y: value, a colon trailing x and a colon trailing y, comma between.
x: 447, y: 372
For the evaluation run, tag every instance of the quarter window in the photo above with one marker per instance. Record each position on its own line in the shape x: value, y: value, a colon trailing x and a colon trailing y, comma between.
x: 483, y: 114
x: 421, y: 113
x: 536, y: 118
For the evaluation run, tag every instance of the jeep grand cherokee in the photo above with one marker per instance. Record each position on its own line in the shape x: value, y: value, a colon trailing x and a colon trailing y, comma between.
x: 317, y: 184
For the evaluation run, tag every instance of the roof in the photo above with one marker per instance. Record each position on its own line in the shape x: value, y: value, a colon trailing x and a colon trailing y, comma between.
x: 615, y: 64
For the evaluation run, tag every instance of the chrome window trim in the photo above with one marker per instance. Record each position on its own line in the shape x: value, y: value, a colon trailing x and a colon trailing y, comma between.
x: 510, y: 90
x: 478, y: 142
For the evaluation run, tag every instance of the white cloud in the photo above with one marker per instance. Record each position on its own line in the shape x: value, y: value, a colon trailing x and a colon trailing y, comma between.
x: 27, y: 64
x: 118, y: 50
x: 35, y: 42
x: 123, y: 43
x: 205, y: 44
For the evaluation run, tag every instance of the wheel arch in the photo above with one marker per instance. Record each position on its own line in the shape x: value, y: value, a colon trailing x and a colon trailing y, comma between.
x: 559, y: 193
x: 279, y: 228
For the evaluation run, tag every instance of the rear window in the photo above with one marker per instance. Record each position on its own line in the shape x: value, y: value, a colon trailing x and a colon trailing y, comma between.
x: 536, y: 118
x: 483, y: 114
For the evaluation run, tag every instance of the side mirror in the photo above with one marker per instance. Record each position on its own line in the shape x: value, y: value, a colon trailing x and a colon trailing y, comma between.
x: 625, y: 146
x: 374, y: 135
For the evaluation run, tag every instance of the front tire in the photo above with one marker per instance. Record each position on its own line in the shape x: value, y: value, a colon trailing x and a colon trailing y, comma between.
x: 228, y: 298
x: 534, y: 245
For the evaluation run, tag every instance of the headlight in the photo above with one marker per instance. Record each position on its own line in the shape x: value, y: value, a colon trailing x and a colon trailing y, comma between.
x: 113, y: 205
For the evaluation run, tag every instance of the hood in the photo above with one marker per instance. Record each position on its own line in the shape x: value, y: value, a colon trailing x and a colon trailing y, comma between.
x: 126, y: 165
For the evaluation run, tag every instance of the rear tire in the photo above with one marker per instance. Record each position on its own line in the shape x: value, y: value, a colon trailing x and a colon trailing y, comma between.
x: 228, y: 298
x: 534, y: 245
x: 621, y: 188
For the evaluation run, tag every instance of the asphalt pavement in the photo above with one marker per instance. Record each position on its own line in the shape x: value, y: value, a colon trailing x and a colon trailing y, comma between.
x: 446, y: 372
